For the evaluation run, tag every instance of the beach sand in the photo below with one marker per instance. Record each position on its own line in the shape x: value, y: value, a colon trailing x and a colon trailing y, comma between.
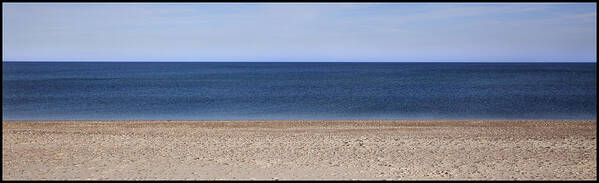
x: 299, y: 150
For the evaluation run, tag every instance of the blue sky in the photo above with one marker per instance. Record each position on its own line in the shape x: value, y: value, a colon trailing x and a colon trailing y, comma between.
x: 349, y: 32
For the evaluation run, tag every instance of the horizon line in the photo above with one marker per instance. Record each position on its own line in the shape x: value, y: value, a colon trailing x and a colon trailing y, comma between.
x: 142, y: 61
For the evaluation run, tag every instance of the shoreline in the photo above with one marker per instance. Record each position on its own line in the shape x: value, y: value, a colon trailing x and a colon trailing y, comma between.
x: 300, y: 150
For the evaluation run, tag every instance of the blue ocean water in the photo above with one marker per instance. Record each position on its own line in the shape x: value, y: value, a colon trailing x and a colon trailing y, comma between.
x: 273, y: 91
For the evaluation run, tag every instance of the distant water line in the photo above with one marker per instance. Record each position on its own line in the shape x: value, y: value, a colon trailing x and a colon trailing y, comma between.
x: 297, y: 91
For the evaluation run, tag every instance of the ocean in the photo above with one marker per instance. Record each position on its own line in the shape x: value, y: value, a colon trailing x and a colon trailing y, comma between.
x: 297, y: 91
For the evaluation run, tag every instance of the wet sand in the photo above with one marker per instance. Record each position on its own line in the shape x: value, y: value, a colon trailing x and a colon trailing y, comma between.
x: 299, y: 150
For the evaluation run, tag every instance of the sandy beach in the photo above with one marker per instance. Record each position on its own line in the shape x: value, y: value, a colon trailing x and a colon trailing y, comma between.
x: 299, y: 150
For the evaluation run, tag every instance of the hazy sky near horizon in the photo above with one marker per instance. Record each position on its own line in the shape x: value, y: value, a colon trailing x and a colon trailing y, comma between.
x: 379, y: 32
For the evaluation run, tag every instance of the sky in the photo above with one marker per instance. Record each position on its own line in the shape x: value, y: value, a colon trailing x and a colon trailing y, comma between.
x: 300, y: 32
